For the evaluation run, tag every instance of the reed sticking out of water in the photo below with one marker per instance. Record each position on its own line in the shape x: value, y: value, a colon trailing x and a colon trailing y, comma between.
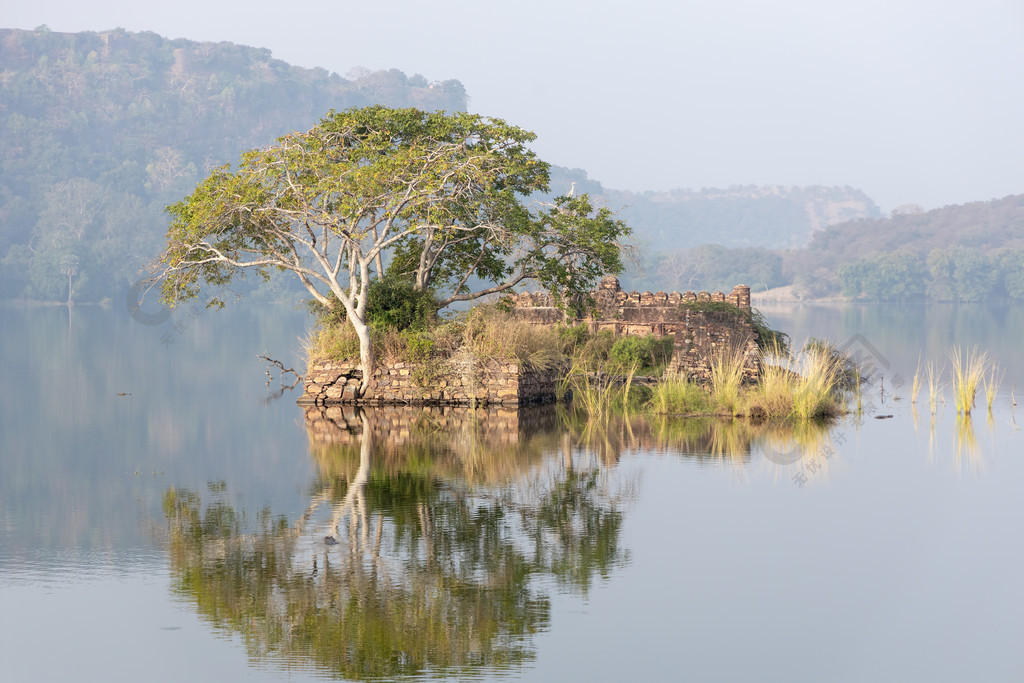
x: 597, y: 392
x: 773, y: 395
x: 969, y: 369
x: 933, y: 374
x: 992, y: 381
x: 915, y: 386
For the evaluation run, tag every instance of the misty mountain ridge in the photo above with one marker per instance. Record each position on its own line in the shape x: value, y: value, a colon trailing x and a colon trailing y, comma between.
x: 101, y: 130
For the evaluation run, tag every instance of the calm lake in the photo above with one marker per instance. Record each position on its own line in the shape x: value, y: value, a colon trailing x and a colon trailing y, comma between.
x: 165, y: 515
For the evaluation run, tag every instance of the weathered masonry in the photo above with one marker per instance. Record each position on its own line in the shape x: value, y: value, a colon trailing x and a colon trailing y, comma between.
x: 705, y: 324
x: 469, y: 382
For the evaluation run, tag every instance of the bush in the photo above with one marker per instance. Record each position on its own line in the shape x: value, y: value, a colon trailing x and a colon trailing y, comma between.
x: 768, y: 338
x: 392, y: 303
x: 641, y: 352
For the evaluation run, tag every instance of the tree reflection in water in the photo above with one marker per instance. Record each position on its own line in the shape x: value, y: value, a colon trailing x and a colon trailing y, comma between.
x: 433, y: 537
x: 446, y: 523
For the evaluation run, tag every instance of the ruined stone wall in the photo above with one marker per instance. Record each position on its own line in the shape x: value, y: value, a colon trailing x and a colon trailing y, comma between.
x: 627, y: 312
x: 706, y: 335
x: 468, y: 382
x: 702, y: 334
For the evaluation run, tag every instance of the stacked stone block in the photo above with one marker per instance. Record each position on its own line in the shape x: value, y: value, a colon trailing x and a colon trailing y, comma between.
x: 452, y: 383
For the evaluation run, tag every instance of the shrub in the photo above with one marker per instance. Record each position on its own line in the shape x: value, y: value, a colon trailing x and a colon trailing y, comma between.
x: 395, y: 303
x: 641, y: 352
x: 392, y: 303
x: 768, y: 338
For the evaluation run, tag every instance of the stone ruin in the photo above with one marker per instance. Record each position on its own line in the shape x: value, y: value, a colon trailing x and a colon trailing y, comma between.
x: 701, y: 332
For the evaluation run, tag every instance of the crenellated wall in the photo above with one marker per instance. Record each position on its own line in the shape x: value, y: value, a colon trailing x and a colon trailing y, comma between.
x: 702, y: 332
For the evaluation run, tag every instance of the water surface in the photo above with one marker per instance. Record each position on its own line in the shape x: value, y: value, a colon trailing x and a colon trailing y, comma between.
x: 178, y: 531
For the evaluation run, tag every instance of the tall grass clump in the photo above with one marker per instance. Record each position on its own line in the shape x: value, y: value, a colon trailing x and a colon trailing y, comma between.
x: 600, y: 394
x: 824, y: 372
x: 727, y: 379
x: 675, y: 394
x: 773, y: 395
x: 333, y: 341
x: 969, y: 369
x: 490, y: 333
x: 992, y: 381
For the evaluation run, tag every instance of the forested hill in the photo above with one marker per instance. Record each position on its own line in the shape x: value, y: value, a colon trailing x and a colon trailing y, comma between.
x: 100, y: 131
x: 776, y: 217
x: 966, y: 252
x: 969, y: 252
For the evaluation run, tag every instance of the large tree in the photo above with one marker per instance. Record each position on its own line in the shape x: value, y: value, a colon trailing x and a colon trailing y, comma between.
x: 448, y: 193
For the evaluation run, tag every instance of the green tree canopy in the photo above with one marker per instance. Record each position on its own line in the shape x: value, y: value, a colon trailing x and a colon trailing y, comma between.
x: 448, y: 192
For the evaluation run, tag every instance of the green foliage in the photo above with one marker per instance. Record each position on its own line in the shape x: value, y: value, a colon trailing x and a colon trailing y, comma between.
x: 101, y: 130
x: 638, y: 353
x: 897, y: 276
x: 955, y: 253
x: 768, y: 338
x: 395, y: 304
x: 961, y: 274
x: 677, y: 395
x: 711, y: 307
x: 419, y: 345
x: 1011, y: 265
x: 573, y: 337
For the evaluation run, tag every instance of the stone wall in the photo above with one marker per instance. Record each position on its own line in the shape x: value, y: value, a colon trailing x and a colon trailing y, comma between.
x: 627, y: 312
x: 702, y: 333
x: 705, y: 336
x: 464, y: 381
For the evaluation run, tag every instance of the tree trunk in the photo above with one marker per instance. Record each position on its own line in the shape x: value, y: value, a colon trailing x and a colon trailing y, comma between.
x: 367, y: 362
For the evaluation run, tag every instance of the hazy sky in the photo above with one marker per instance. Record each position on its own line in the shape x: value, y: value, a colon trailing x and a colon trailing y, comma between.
x: 913, y: 101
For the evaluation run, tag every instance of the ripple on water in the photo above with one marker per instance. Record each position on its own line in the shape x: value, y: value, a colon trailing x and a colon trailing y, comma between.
x: 71, y: 567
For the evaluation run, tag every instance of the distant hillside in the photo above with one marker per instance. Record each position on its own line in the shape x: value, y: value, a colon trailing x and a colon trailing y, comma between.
x: 99, y: 131
x: 772, y: 217
x: 713, y: 238
x: 957, y: 253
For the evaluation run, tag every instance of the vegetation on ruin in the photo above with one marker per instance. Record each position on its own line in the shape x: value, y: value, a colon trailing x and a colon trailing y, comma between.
x: 768, y: 338
x: 601, y: 374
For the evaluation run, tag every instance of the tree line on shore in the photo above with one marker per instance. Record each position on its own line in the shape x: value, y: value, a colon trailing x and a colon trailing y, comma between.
x: 964, y: 253
x: 102, y: 130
